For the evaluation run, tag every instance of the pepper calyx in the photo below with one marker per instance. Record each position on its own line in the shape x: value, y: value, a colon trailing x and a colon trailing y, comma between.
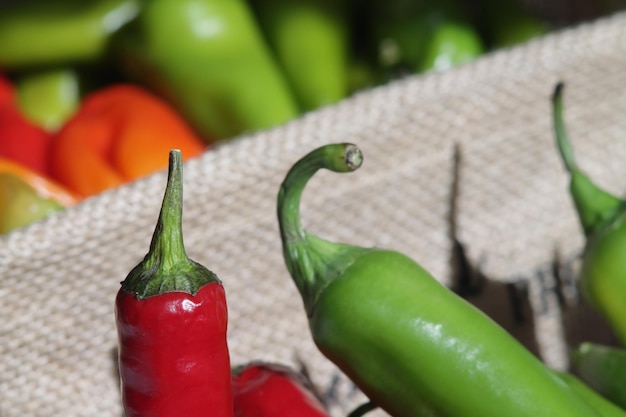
x: 167, y: 268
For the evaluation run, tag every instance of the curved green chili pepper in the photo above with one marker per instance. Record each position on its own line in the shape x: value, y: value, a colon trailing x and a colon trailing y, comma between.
x: 603, y: 219
x: 401, y: 336
x: 604, y: 369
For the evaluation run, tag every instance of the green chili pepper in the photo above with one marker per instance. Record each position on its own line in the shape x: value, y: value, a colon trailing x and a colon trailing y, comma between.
x: 604, y: 369
x: 603, y: 219
x: 43, y: 32
x: 410, y: 344
x: 602, y: 405
x: 48, y: 97
x: 210, y: 59
x: 311, y: 42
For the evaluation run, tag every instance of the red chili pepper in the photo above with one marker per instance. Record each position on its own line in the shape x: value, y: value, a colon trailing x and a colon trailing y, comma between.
x: 171, y: 317
x: 272, y: 390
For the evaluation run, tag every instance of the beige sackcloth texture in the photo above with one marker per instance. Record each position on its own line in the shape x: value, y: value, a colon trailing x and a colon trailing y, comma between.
x: 59, y: 277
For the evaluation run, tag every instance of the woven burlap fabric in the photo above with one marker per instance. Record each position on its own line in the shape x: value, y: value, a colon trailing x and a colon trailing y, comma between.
x: 59, y: 277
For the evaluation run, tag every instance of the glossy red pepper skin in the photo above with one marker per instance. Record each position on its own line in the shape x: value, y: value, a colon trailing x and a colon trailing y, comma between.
x: 171, y: 316
x: 272, y: 390
x: 170, y: 341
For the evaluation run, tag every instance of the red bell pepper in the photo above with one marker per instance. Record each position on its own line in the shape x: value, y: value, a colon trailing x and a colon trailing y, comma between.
x: 171, y: 317
x: 273, y: 390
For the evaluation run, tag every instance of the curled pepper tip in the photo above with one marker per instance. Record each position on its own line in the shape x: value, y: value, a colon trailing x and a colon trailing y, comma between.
x: 354, y: 157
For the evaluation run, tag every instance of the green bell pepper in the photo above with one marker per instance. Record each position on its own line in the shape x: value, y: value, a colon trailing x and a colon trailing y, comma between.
x: 311, y: 41
x: 603, y: 219
x: 209, y: 58
x: 43, y: 32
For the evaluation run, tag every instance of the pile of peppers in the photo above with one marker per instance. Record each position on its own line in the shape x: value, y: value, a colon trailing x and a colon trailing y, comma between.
x: 408, y: 342
x: 101, y: 90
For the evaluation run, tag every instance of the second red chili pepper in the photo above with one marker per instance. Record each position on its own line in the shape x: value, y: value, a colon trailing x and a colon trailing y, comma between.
x: 171, y: 317
x: 273, y: 390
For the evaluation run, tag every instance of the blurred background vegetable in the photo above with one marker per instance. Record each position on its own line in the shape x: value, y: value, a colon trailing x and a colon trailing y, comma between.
x: 119, y: 134
x: 223, y: 69
x: 26, y: 196
x: 210, y: 59
x: 48, y: 97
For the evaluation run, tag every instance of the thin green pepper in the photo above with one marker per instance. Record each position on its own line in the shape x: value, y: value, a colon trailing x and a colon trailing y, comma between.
x: 210, y: 59
x: 603, y: 219
x: 603, y: 368
x: 311, y: 41
x: 401, y: 336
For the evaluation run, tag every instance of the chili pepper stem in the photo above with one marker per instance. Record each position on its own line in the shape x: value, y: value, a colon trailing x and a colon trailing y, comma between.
x: 562, y: 139
x: 595, y: 206
x: 167, y: 267
x: 309, y: 259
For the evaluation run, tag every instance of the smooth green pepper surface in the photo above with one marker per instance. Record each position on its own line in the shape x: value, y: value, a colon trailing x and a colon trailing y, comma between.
x: 410, y: 344
x: 602, y: 216
x: 210, y: 59
x: 311, y: 41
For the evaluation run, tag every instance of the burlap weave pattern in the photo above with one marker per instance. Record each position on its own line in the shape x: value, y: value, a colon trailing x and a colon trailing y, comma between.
x: 58, y: 278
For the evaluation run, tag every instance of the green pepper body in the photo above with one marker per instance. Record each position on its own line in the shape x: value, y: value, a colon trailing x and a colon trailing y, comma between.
x: 602, y: 216
x: 406, y: 340
x: 311, y: 41
x: 604, y: 369
x: 603, y: 273
x: 210, y: 59
x: 42, y: 32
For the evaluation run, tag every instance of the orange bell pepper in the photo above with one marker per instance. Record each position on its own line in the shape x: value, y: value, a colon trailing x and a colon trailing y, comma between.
x: 119, y: 134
